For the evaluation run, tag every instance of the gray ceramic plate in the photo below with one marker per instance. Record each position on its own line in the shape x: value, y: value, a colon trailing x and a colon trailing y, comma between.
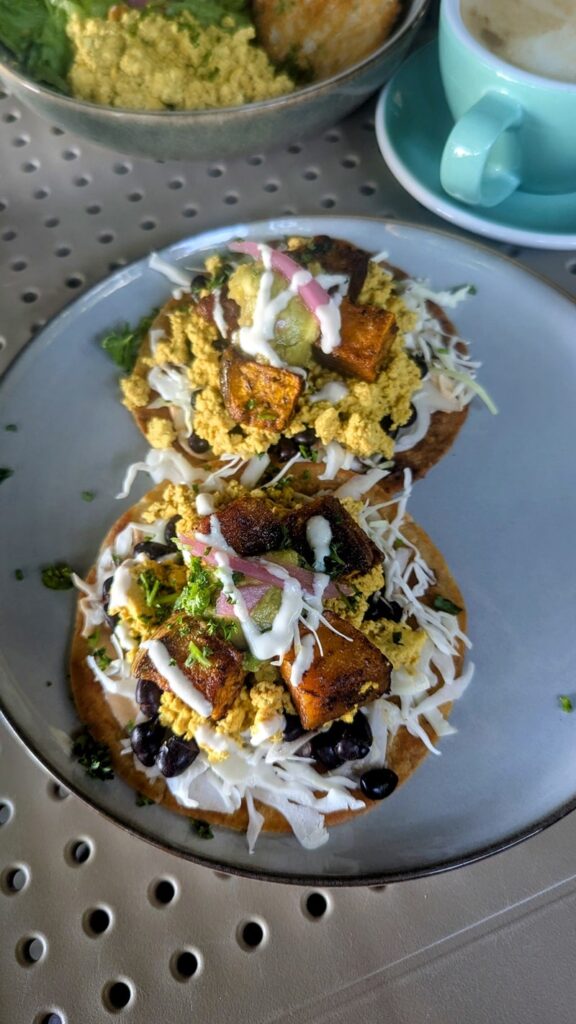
x: 501, y: 505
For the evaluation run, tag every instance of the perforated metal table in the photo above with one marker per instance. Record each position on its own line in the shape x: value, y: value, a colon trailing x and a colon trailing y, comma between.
x: 96, y: 923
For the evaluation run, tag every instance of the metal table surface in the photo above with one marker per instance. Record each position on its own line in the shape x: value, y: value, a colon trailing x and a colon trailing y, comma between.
x: 95, y: 922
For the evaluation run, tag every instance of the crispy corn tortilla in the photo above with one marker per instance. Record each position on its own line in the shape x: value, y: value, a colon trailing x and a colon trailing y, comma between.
x: 442, y: 432
x: 405, y: 752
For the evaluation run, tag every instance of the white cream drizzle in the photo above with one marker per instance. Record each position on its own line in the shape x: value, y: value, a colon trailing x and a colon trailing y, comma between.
x: 204, y: 504
x: 179, y: 683
x: 218, y: 314
x: 332, y: 392
x: 319, y: 536
x: 169, y: 270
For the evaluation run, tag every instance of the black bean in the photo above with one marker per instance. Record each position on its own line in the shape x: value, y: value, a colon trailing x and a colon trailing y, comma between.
x: 293, y: 728
x: 306, y: 437
x: 199, y: 282
x: 198, y: 444
x: 170, y: 532
x: 176, y: 755
x: 284, y: 450
x: 148, y: 695
x: 220, y: 344
x: 378, y: 783
x: 380, y: 608
x: 152, y: 549
x: 420, y: 363
x: 146, y: 740
x: 386, y: 424
x: 111, y: 620
x: 343, y: 741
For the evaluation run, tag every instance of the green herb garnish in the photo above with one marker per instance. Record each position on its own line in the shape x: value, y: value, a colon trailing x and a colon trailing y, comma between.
x: 197, y: 655
x: 93, y: 756
x: 57, y: 577
x: 250, y: 663
x: 143, y: 801
x: 5, y: 474
x: 565, y: 703
x: 18, y: 574
x: 201, y: 828
x: 102, y: 658
x: 88, y: 495
x: 123, y: 344
x: 443, y: 604
x: 308, y: 453
x: 201, y: 590
x: 11, y: 428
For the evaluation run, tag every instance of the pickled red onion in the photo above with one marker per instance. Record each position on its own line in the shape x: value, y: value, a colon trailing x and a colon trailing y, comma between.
x: 313, y: 295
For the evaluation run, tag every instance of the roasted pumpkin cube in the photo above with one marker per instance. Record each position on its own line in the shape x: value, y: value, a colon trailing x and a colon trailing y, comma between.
x: 213, y: 666
x: 347, y: 674
x: 249, y: 525
x: 256, y: 394
x: 366, y: 335
x: 351, y: 550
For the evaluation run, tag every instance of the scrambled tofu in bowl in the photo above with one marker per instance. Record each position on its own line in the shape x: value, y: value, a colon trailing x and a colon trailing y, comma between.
x: 191, y: 79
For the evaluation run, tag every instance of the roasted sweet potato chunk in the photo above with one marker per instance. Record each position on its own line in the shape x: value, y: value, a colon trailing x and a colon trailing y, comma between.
x: 212, y: 665
x: 249, y: 525
x: 367, y: 333
x: 352, y: 550
x: 256, y: 394
x: 347, y: 673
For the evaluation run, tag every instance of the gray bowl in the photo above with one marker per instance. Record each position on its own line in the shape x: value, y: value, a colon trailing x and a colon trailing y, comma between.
x: 227, y: 132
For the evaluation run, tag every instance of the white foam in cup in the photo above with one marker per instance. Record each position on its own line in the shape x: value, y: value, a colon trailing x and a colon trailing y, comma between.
x: 538, y: 36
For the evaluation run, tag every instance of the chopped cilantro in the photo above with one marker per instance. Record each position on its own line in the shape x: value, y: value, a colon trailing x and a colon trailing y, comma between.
x: 123, y: 344
x: 93, y: 756
x: 443, y: 604
x: 565, y: 703
x: 18, y: 574
x: 201, y: 828
x: 5, y: 473
x: 202, y: 657
x: 11, y: 428
x: 237, y: 577
x: 88, y: 495
x: 249, y: 405
x: 308, y: 453
x: 398, y: 544
x: 201, y: 590
x: 57, y: 577
x: 158, y: 596
x: 128, y: 726
x: 172, y: 662
x: 226, y: 628
x: 102, y: 658
x: 143, y: 801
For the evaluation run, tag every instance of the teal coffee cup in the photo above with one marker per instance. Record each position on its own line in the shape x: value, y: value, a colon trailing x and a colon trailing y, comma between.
x: 514, y: 129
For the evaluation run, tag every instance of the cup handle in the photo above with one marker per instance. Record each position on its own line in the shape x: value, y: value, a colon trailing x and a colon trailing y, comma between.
x: 481, y: 158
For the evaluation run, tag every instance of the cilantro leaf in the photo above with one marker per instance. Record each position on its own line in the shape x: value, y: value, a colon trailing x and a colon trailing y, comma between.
x: 18, y: 574
x: 443, y: 604
x: 201, y: 590
x: 143, y: 801
x: 11, y: 428
x: 123, y: 344
x: 201, y: 828
x: 565, y: 704
x: 57, y: 577
x: 88, y: 495
x: 201, y: 656
x: 93, y: 756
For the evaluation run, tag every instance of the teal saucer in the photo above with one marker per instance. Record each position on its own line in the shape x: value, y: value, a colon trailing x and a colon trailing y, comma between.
x: 412, y: 124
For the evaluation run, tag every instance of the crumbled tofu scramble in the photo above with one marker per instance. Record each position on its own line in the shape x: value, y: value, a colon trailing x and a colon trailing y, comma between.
x: 146, y: 61
x: 266, y: 696
x: 355, y: 421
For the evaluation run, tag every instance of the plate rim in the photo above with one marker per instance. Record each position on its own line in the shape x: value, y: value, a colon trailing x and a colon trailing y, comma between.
x: 216, y: 236
x: 445, y: 207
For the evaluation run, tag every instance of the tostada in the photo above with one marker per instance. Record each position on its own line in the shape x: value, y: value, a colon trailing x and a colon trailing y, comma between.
x: 308, y: 356
x: 266, y: 660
